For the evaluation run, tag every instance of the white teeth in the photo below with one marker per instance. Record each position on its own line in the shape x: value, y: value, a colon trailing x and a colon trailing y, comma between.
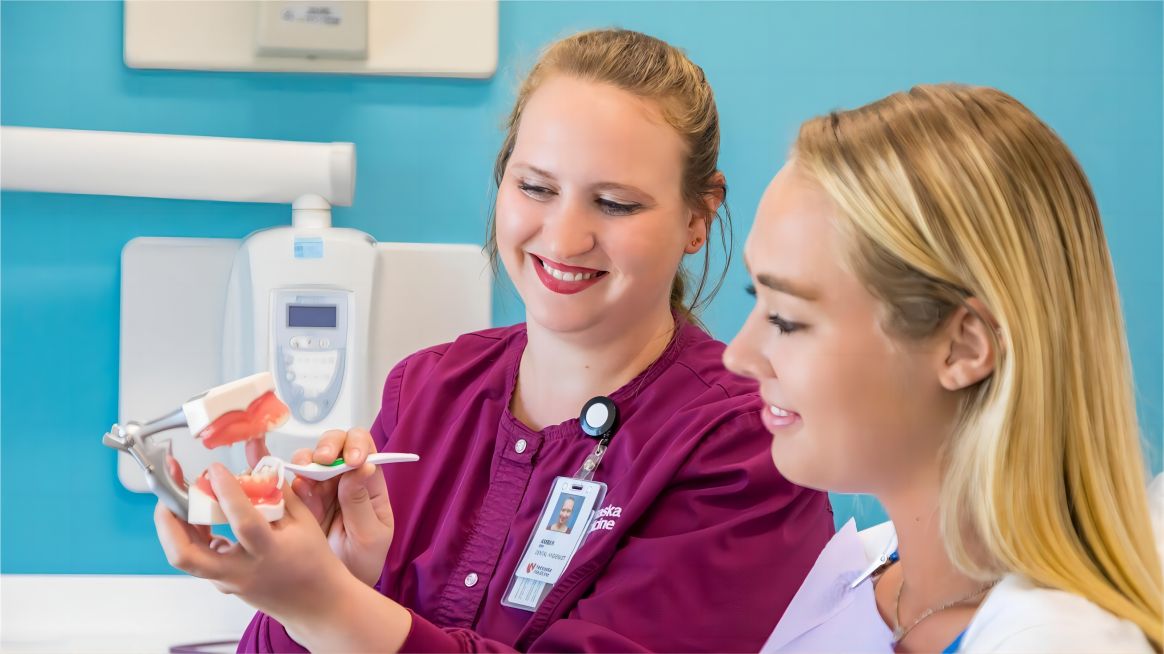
x: 777, y: 411
x: 565, y: 276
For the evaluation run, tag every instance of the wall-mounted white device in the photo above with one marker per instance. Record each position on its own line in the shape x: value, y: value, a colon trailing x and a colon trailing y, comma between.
x: 335, y: 29
x: 437, y: 38
x: 326, y: 310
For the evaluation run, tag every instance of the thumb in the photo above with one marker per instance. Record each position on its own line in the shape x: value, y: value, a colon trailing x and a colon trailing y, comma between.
x: 305, y: 490
x: 363, y: 498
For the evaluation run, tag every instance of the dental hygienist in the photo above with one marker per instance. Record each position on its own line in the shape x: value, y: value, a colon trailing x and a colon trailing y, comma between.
x: 937, y: 323
x: 606, y: 179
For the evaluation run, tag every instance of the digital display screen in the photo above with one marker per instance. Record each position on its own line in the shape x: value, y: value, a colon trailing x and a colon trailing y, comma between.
x: 305, y: 315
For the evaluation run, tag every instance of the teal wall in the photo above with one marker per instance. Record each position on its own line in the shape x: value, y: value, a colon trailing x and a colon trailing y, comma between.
x: 1093, y: 71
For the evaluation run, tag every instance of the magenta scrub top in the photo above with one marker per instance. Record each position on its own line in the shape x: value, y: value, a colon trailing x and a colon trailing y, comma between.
x: 699, y: 546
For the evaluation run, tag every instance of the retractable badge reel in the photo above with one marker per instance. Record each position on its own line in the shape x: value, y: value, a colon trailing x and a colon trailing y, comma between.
x: 566, y: 517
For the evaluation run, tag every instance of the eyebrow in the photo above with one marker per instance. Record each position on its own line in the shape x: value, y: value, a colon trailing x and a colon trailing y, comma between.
x: 785, y: 286
x: 534, y: 169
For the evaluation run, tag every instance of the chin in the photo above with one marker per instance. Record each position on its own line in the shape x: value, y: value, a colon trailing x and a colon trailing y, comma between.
x: 562, y: 320
x: 802, y: 466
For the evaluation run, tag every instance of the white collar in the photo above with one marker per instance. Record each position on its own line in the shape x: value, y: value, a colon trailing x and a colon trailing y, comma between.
x: 886, y: 551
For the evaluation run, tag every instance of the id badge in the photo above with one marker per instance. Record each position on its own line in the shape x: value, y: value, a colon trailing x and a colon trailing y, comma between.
x: 562, y: 526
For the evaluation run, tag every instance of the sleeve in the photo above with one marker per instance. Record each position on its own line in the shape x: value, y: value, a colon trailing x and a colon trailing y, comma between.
x: 264, y: 633
x: 710, y: 566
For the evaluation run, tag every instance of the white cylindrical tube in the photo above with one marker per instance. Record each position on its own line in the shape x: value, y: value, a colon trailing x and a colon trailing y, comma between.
x: 170, y: 166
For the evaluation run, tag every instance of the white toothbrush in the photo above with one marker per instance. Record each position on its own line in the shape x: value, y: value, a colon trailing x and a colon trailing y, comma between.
x: 319, y: 472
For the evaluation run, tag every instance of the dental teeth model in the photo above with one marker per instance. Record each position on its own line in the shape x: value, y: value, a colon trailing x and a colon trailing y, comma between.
x: 263, y: 486
x: 242, y: 410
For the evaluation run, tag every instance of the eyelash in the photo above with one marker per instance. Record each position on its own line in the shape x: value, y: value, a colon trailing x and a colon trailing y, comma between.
x: 617, y: 208
x: 609, y: 207
x: 783, y: 327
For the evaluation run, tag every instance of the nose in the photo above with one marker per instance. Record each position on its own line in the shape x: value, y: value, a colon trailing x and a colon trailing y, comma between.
x: 744, y: 355
x: 569, y: 233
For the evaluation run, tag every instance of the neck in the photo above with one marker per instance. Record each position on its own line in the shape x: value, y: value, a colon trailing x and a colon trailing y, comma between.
x: 930, y: 577
x: 559, y: 372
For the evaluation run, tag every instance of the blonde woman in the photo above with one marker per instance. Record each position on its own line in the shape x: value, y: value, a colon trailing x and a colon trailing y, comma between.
x: 937, y: 323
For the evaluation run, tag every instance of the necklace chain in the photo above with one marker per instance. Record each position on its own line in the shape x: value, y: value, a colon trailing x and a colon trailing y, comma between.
x: 900, y: 633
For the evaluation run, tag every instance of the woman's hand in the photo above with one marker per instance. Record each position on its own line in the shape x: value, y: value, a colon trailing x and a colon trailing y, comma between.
x: 283, y: 568
x: 353, y: 509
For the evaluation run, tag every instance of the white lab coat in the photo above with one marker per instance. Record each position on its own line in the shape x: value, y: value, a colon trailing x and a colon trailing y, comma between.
x: 1016, y: 616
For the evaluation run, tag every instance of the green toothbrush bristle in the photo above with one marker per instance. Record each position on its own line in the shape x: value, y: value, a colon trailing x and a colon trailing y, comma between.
x: 337, y: 462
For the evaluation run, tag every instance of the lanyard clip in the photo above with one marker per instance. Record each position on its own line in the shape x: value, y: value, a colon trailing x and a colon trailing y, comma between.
x: 586, y: 472
x: 600, y: 420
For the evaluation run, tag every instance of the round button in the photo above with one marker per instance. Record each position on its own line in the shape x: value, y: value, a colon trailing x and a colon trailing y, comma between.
x: 597, y: 414
x: 599, y: 417
x: 309, y: 410
x: 324, y: 343
x: 471, y: 580
x: 520, y: 446
x: 290, y: 376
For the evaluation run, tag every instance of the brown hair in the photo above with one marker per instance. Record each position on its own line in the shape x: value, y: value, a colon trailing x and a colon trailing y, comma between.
x: 655, y: 70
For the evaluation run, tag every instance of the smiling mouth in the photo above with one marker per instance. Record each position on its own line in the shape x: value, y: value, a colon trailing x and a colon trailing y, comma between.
x: 777, y: 419
x: 565, y: 280
x: 564, y: 273
x: 780, y: 413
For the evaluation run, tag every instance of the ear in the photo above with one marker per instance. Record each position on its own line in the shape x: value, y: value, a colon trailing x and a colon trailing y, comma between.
x: 968, y: 346
x: 699, y: 225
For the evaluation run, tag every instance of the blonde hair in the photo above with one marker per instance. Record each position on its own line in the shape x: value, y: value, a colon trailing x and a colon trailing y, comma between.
x: 951, y: 192
x: 654, y: 70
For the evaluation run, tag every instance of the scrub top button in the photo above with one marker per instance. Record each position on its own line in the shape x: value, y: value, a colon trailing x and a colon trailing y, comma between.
x: 471, y: 580
x: 520, y: 446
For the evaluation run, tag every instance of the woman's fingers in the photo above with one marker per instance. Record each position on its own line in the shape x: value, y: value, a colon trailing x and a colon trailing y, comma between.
x: 354, y: 446
x: 318, y: 496
x: 302, y: 489
x: 329, y: 447
x: 295, y: 507
x: 358, y: 446
x: 249, y: 526
x: 186, y: 546
x: 363, y: 499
